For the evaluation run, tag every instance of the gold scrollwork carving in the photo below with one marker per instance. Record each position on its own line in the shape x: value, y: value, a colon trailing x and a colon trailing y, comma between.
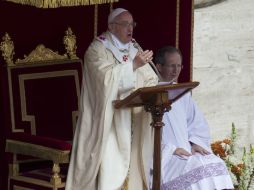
x: 69, y: 41
x: 7, y: 48
x: 41, y: 53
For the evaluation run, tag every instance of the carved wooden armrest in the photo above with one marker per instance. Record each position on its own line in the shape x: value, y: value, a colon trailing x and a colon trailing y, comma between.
x: 46, y: 148
x: 41, y: 147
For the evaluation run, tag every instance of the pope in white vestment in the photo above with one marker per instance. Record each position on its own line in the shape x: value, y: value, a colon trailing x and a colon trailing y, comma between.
x: 187, y: 159
x: 112, y: 148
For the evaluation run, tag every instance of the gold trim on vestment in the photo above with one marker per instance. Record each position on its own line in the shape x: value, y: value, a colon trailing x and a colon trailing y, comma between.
x: 57, y: 156
x: 125, y: 184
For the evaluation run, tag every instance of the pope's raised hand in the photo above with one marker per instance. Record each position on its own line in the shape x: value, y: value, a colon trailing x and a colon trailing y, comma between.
x: 142, y: 58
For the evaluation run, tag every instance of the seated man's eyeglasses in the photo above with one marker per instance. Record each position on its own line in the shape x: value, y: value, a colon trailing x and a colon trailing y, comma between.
x: 126, y: 24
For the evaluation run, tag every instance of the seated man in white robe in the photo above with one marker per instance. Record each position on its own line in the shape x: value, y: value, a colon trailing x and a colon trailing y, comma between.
x: 187, y: 159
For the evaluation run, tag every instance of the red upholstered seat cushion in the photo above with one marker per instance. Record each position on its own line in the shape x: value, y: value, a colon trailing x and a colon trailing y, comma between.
x: 42, y: 141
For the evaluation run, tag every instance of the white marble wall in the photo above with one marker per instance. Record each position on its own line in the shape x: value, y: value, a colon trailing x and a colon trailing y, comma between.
x: 223, y: 60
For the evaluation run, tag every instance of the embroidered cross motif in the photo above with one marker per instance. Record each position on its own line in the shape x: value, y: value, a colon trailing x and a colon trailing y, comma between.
x: 125, y: 58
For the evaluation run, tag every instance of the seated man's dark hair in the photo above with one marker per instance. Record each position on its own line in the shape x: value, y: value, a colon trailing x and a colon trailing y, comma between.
x: 160, y: 54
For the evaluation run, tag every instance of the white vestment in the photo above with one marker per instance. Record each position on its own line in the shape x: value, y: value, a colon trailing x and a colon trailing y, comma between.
x: 111, y: 145
x: 184, y: 123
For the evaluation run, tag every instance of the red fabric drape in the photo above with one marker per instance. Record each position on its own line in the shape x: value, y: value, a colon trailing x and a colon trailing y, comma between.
x: 30, y: 26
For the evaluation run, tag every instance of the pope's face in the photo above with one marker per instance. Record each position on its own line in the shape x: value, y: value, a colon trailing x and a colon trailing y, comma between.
x: 122, y: 27
x: 172, y: 67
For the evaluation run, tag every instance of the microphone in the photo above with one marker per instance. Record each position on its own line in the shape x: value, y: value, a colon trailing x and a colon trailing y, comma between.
x: 136, y: 45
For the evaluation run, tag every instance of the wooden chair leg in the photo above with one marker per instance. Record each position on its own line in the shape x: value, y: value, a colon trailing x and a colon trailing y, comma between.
x: 55, y: 178
x: 14, y: 167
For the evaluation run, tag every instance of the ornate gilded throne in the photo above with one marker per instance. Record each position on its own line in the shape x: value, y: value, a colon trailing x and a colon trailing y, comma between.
x: 40, y: 101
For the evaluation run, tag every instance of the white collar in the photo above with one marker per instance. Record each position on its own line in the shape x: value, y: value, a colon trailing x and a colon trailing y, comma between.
x: 119, y: 45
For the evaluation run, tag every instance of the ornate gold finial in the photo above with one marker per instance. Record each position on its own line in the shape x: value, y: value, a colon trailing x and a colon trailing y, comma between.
x: 7, y: 48
x: 70, y: 43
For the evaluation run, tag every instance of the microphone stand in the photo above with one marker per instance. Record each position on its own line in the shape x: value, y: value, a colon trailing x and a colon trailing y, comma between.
x: 136, y: 45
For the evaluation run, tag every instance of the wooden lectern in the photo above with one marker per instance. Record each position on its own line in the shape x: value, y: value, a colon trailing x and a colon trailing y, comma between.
x: 157, y: 100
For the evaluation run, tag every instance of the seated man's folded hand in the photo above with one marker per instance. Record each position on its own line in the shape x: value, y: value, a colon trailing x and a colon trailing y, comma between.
x: 181, y: 152
x: 196, y: 148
